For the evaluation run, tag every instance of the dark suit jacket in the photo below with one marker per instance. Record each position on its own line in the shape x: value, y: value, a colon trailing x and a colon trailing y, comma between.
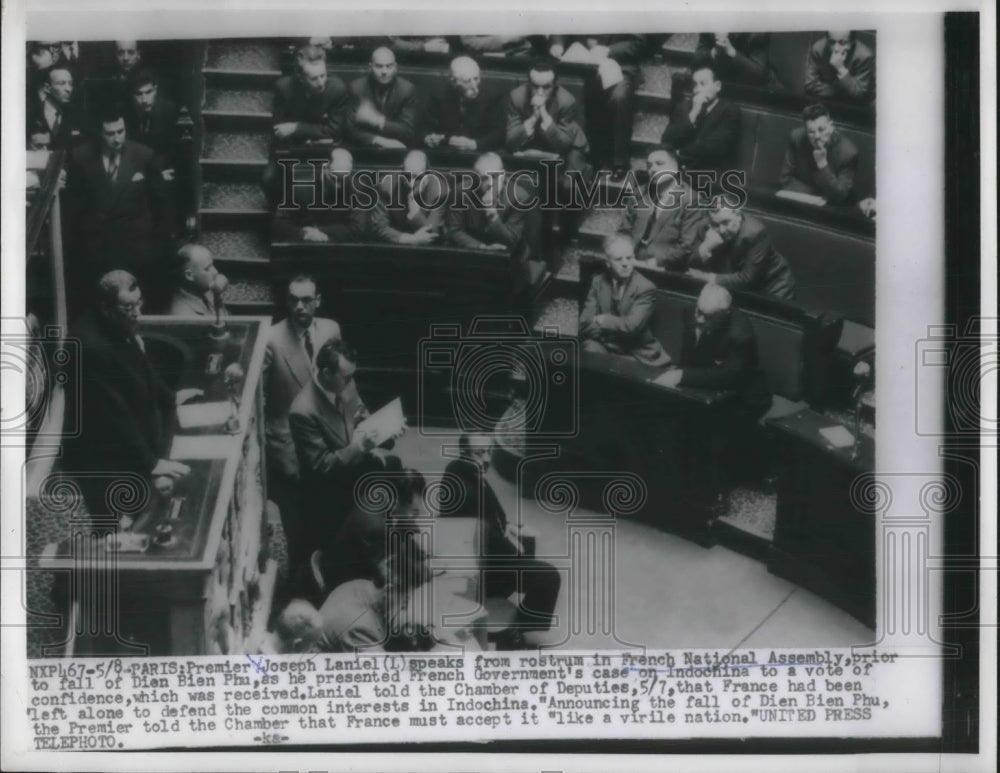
x: 72, y: 129
x: 518, y: 229
x: 479, y: 500
x: 388, y: 224
x: 751, y: 263
x: 286, y: 371
x: 341, y: 223
x: 835, y: 182
x: 319, y: 116
x: 628, y: 332
x: 120, y: 224
x: 450, y: 114
x: 401, y: 111
x: 563, y: 135
x: 676, y: 231
x: 821, y: 79
x: 162, y: 136
x: 126, y: 411
x: 751, y: 65
x: 711, y: 142
x: 725, y: 358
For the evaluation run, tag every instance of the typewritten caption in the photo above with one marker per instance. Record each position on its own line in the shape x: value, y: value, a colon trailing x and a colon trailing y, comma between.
x: 108, y: 704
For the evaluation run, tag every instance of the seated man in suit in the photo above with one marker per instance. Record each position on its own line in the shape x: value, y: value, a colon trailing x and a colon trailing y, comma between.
x: 311, y: 104
x: 615, y: 317
x: 117, y: 209
x: 706, y: 131
x: 462, y: 113
x: 411, y: 207
x: 199, y: 284
x: 665, y: 230
x: 492, y: 221
x: 737, y: 253
x: 333, y: 451
x: 153, y: 120
x: 543, y: 119
x: 385, y: 111
x: 288, y: 363
x: 738, y: 57
x: 610, y: 107
x: 840, y: 66
x: 505, y: 567
x: 820, y: 160
x: 324, y: 213
x: 54, y: 122
x: 126, y: 410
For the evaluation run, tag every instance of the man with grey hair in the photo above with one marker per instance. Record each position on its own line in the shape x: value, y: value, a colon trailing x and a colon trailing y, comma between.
x: 126, y: 410
x: 200, y: 285
x: 385, y: 105
x: 463, y: 113
x: 615, y: 317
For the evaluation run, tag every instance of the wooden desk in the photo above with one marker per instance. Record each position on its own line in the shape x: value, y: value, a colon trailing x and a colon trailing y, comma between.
x: 822, y: 540
x: 207, y: 589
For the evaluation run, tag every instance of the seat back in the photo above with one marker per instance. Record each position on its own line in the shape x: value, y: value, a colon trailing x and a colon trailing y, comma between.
x: 788, y: 52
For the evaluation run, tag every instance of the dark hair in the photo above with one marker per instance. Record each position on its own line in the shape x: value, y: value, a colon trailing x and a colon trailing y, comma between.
x: 112, y: 283
x: 303, y: 278
x: 410, y: 484
x: 814, y: 111
x: 327, y: 357
x: 544, y: 65
x: 142, y: 77
x: 309, y: 54
x: 465, y: 442
x: 111, y: 112
x: 710, y: 68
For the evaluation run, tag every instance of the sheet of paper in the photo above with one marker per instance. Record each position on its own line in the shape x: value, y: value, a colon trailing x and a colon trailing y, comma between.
x: 203, y: 414
x: 805, y: 198
x: 837, y: 436
x: 386, y: 422
x: 203, y: 446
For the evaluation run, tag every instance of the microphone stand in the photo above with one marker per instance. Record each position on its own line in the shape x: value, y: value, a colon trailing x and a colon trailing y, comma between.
x: 219, y: 330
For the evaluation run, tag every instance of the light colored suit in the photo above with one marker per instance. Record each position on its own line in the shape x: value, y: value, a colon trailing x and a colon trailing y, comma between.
x: 286, y: 370
x: 625, y: 322
x: 187, y: 304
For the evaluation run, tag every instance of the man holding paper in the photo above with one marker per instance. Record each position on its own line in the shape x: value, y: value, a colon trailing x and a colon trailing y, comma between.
x: 334, y: 445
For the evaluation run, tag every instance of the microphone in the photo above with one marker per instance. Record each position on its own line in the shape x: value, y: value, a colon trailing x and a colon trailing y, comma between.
x: 219, y: 285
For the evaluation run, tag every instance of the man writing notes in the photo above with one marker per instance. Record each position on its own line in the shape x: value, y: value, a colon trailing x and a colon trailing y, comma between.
x: 737, y: 253
x: 385, y: 105
x: 462, y: 113
x: 619, y: 305
x: 126, y: 410
x: 288, y: 367
x: 819, y: 160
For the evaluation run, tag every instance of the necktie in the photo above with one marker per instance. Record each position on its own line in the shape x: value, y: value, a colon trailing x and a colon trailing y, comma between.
x: 307, y: 341
x: 145, y: 126
x: 649, y: 226
x: 113, y: 167
x: 56, y: 121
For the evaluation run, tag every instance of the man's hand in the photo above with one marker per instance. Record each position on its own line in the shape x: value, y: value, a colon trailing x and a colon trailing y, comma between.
x: 697, y: 101
x: 671, y: 378
x: 363, y: 439
x: 838, y: 59
x: 170, y: 469
x: 497, y: 247
x: 164, y: 485
x: 183, y: 395
x: 433, y: 140
x: 462, y: 143
x: 387, y: 142
x: 369, y: 115
x: 285, y: 130
x: 529, y: 124
x: 437, y: 46
x: 168, y: 175
x: 412, y: 207
x: 703, y: 276
x: 819, y: 155
x: 425, y: 235
x: 556, y: 50
x: 313, y: 234
x: 722, y: 42
x: 708, y: 245
x: 867, y: 207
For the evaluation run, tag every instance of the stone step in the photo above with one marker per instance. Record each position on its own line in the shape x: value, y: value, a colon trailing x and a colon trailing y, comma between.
x: 249, y: 291
x: 251, y: 101
x: 251, y: 55
x: 235, y: 146
x: 600, y: 222
x: 559, y: 313
x: 249, y: 246
x: 232, y: 196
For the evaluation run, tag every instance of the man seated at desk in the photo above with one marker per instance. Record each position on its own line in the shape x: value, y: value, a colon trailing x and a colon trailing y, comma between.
x: 819, y: 159
x: 616, y: 314
x: 385, y: 111
x: 199, y: 284
x: 737, y: 253
x: 462, y: 113
x: 410, y: 207
x: 324, y: 213
x: 505, y: 567
x: 126, y: 411
x: 498, y: 224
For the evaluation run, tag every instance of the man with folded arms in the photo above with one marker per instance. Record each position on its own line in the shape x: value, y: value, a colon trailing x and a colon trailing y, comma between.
x: 462, y: 113
x: 736, y: 252
x: 385, y: 109
x: 820, y: 160
x: 615, y: 317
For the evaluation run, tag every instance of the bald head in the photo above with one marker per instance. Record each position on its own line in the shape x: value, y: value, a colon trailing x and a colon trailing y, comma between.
x: 127, y: 54
x: 415, y: 162
x: 465, y: 76
x: 714, y: 301
x: 489, y: 163
x: 197, y: 267
x: 299, y: 628
x: 383, y: 65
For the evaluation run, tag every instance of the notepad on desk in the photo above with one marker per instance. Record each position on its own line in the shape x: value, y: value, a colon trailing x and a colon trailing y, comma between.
x: 837, y: 436
x: 194, y: 415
